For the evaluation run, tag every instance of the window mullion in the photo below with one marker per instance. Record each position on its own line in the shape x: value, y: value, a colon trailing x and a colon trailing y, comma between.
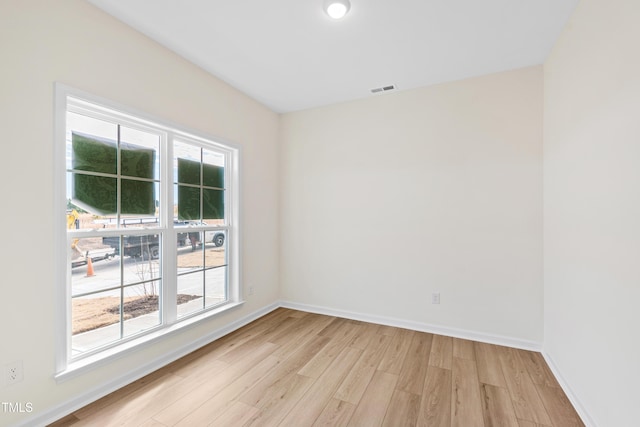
x: 118, y: 180
x: 118, y: 219
x: 169, y: 251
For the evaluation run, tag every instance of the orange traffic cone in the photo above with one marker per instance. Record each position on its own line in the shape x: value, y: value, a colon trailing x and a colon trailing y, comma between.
x: 90, y: 268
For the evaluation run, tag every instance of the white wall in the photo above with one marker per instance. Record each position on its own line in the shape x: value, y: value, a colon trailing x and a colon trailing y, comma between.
x: 592, y: 209
x: 383, y: 201
x: 75, y: 43
x: 439, y: 189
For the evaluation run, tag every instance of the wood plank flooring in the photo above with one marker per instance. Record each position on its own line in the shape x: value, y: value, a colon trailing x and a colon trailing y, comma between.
x: 292, y: 368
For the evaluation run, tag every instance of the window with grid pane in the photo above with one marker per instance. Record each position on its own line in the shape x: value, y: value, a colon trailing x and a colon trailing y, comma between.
x: 150, y: 230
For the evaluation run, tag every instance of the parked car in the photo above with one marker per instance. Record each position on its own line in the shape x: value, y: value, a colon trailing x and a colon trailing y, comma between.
x: 216, y: 237
x: 148, y: 245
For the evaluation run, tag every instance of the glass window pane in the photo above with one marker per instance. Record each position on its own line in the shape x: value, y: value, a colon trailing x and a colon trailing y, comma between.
x: 213, y: 162
x: 152, y: 220
x: 79, y: 219
x: 94, y: 154
x: 94, y: 194
x: 95, y: 321
x: 215, y: 250
x: 190, y: 293
x: 188, y: 203
x: 104, y: 270
x: 137, y: 197
x: 139, y: 153
x: 136, y: 161
x: 140, y: 258
x: 191, y: 257
x: 186, y: 163
x: 188, y: 172
x: 141, y: 308
x: 182, y: 235
x: 215, y: 286
x: 88, y: 127
x: 213, y: 205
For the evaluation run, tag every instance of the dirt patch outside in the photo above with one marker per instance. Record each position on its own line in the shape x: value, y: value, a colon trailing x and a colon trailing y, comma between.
x: 94, y: 313
x: 193, y: 259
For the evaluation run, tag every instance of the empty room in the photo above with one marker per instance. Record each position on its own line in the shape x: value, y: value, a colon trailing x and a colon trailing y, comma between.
x: 310, y: 212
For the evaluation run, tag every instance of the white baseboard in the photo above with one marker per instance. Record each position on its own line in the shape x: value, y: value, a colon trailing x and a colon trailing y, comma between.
x: 418, y: 326
x: 587, y: 419
x: 96, y: 393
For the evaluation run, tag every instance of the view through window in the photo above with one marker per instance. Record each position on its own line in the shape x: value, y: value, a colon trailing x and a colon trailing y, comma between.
x: 149, y: 220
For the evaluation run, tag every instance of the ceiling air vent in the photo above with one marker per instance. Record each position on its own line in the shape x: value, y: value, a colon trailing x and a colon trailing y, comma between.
x: 383, y: 89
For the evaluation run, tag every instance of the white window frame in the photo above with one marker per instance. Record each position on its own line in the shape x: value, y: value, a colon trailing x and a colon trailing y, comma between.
x: 68, y: 98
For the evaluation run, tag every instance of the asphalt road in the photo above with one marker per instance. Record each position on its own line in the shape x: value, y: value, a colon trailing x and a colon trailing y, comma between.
x: 107, y: 274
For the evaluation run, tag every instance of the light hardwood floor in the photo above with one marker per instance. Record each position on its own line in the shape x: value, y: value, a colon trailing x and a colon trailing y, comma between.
x: 292, y: 368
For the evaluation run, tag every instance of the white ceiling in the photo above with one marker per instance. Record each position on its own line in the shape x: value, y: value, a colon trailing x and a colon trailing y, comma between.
x: 290, y: 56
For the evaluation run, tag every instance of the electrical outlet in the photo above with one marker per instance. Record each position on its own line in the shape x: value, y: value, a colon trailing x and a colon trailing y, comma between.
x: 251, y: 290
x: 13, y: 372
x: 435, y: 298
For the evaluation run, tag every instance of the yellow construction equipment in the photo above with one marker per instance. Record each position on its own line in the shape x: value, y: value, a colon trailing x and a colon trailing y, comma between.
x: 72, y: 222
x: 72, y: 217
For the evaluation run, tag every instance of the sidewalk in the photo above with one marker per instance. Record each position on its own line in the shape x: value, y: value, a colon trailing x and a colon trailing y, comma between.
x: 90, y: 340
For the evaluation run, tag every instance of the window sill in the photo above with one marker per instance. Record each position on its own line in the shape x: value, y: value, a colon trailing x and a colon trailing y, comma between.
x: 84, y: 365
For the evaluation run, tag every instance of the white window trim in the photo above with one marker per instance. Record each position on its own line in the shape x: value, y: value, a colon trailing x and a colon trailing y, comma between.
x: 65, y: 367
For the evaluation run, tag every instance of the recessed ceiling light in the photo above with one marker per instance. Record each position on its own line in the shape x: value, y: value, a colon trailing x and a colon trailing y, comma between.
x: 337, y: 9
